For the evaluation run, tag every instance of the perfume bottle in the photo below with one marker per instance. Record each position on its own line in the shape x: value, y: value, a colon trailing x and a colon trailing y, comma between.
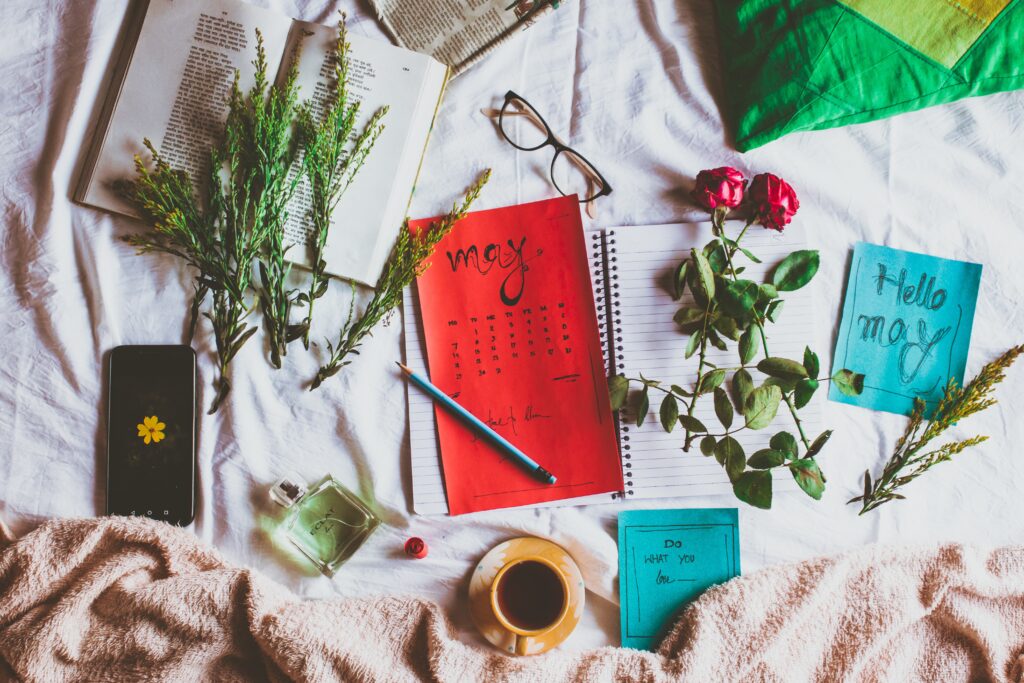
x: 326, y: 521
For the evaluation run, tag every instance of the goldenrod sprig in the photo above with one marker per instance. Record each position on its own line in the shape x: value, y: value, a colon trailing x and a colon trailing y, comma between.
x: 911, y: 457
x: 222, y: 234
x: 406, y: 262
x: 330, y: 165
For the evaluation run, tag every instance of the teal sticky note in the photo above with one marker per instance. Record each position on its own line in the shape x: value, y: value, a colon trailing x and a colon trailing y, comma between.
x: 906, y: 326
x: 667, y: 558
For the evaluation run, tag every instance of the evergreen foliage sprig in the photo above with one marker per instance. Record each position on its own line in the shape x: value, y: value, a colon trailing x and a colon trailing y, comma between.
x: 330, y: 165
x: 265, y: 125
x: 913, y: 456
x: 222, y: 233
x: 406, y: 262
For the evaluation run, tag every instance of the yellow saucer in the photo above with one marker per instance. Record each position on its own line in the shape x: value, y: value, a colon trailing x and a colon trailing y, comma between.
x: 510, y: 551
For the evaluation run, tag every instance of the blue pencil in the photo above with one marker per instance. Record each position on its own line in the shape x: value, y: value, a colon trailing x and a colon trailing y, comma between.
x: 471, y: 420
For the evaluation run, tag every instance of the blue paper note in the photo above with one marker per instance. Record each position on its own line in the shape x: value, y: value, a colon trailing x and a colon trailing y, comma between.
x: 906, y: 325
x: 667, y: 558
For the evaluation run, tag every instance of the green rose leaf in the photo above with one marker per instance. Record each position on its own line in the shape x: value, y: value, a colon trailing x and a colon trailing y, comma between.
x: 809, y: 477
x: 849, y: 382
x: 643, y: 406
x: 688, y: 316
x: 786, y: 385
x: 742, y: 385
x: 783, y: 368
x: 711, y: 381
x: 737, y: 298
x: 754, y: 488
x: 819, y: 443
x: 692, y: 424
x: 811, y: 363
x: 694, y: 343
x: 716, y: 256
x: 803, y: 391
x: 729, y: 454
x: 679, y: 281
x: 750, y: 341
x: 749, y: 255
x: 774, y: 310
x: 796, y: 270
x: 669, y: 412
x: 723, y: 407
x: 766, y: 293
x: 785, y: 443
x: 705, y: 275
x: 679, y: 391
x: 766, y: 458
x: 618, y: 389
x: 761, y: 406
x: 707, y: 445
x: 716, y: 341
x: 728, y: 327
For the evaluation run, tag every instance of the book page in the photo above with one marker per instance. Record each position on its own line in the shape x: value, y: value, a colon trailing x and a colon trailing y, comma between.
x: 456, y: 32
x: 370, y: 213
x: 653, y: 344
x: 176, y: 88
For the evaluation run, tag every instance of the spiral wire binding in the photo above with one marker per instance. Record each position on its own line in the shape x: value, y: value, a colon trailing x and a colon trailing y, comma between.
x: 606, y: 284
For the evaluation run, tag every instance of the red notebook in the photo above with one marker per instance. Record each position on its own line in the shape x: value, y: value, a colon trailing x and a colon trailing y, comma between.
x: 511, y: 334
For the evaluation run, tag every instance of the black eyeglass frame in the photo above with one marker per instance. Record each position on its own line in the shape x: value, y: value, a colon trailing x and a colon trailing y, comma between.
x: 510, y: 96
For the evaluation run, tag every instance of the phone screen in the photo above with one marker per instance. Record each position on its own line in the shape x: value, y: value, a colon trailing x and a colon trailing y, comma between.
x: 151, y: 433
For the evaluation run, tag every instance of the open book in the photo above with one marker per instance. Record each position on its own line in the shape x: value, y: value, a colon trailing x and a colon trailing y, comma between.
x: 171, y: 85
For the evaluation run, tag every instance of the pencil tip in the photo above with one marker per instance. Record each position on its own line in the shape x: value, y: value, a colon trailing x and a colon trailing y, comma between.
x: 404, y: 368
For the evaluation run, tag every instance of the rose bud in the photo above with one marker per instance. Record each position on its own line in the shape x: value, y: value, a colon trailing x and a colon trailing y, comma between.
x: 774, y: 201
x: 719, y: 187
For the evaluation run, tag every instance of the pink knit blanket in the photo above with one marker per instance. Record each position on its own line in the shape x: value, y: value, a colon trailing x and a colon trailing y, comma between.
x: 133, y: 600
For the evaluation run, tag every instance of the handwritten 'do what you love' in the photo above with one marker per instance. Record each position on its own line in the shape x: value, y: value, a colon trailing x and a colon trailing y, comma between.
x: 667, y: 558
x: 906, y: 325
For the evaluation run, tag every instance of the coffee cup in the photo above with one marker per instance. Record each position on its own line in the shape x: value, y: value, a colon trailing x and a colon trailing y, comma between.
x: 530, y: 598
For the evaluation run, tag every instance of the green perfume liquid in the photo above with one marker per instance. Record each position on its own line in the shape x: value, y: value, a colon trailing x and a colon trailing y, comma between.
x: 328, y: 523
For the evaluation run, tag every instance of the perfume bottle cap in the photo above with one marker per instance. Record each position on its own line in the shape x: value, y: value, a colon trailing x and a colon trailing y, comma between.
x: 288, y: 490
x: 416, y: 547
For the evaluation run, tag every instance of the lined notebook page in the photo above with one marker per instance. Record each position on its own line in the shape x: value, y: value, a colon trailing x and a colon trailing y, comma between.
x: 428, y: 493
x: 642, y: 262
x: 427, y: 479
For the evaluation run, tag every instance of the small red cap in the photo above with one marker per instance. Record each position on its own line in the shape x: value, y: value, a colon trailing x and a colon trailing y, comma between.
x: 416, y: 547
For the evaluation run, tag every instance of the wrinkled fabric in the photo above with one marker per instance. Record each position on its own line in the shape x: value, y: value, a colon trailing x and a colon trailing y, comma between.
x: 635, y: 87
x: 119, y: 599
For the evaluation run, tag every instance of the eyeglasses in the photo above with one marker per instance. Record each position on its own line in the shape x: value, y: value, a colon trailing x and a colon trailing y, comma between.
x: 526, y: 129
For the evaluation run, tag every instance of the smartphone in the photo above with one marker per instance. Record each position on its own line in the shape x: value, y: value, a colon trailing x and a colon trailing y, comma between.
x: 151, y: 433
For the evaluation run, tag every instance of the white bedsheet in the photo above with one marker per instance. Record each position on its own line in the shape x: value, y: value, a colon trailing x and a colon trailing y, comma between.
x: 634, y: 86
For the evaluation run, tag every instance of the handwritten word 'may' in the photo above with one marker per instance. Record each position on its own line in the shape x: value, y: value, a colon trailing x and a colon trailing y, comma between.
x: 508, y: 257
x: 913, y: 354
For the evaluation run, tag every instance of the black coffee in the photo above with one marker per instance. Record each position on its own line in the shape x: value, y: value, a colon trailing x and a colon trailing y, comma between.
x: 531, y: 595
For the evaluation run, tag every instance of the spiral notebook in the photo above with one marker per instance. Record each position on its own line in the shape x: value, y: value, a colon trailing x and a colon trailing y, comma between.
x: 631, y: 271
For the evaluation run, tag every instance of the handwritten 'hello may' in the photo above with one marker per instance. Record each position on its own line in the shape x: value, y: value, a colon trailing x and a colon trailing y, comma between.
x: 906, y: 325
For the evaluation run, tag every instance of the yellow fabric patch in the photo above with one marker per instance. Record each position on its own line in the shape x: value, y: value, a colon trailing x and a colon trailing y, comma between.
x: 941, y: 29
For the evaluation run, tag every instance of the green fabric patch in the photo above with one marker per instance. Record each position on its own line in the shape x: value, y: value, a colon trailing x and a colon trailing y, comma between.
x: 798, y: 65
x: 942, y: 29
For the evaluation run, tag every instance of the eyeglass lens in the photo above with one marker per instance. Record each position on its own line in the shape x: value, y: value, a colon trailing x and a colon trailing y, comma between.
x: 572, y: 174
x: 522, y: 125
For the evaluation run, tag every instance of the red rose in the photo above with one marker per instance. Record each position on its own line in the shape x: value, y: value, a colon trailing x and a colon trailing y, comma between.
x: 774, y: 201
x: 719, y: 187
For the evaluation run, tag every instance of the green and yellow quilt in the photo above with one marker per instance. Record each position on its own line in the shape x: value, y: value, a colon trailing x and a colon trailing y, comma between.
x: 798, y: 65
